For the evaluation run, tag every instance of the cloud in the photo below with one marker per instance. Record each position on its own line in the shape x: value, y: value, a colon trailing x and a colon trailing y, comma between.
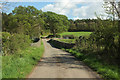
x: 75, y: 18
x: 71, y: 9
x: 89, y: 10
x: 60, y: 7
x: 80, y: 11
x: 53, y: 0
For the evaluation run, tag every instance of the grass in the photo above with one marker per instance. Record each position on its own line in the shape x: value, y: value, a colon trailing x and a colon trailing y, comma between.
x: 21, y: 64
x: 108, y: 72
x: 67, y: 40
x: 76, y: 34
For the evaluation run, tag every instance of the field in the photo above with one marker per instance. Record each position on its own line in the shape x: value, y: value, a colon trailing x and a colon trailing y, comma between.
x: 76, y: 34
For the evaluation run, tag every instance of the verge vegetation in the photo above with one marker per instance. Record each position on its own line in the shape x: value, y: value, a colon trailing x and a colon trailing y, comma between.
x: 21, y: 64
x: 94, y: 61
x: 99, y: 49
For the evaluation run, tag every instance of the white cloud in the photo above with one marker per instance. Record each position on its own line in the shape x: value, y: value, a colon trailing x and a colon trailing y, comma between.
x: 60, y: 7
x: 86, y: 10
x: 80, y: 11
x: 89, y: 10
x: 53, y: 0
x: 75, y: 18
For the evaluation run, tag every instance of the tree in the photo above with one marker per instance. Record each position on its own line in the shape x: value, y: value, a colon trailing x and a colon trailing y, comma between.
x: 72, y: 25
x: 25, y: 20
x: 56, y: 23
x: 116, y: 11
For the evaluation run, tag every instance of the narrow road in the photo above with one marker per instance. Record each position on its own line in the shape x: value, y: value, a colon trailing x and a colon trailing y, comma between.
x: 59, y: 64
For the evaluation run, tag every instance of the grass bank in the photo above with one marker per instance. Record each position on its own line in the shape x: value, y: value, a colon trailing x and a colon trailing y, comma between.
x: 21, y: 64
x: 107, y: 71
x: 76, y: 34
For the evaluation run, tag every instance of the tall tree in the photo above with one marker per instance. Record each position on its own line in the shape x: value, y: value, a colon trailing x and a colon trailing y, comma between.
x: 56, y: 23
x: 25, y: 20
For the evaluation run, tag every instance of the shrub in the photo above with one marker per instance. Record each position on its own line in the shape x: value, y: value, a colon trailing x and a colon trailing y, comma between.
x: 14, y: 43
x: 6, y: 42
x: 19, y: 42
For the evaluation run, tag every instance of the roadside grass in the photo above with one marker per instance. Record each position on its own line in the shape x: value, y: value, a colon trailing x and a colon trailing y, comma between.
x: 21, y: 64
x: 76, y: 34
x: 106, y: 71
x: 67, y: 40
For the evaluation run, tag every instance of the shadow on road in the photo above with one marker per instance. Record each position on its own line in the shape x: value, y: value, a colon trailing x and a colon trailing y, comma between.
x: 57, y: 59
x: 63, y: 59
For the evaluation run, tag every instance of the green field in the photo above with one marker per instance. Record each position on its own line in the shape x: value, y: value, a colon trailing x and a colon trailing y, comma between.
x: 76, y: 34
x: 67, y: 40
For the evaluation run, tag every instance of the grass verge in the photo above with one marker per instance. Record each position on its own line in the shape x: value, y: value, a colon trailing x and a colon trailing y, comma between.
x: 108, y: 72
x: 21, y: 64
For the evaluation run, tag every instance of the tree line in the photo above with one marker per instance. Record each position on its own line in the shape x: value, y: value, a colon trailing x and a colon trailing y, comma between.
x: 26, y: 23
x: 30, y: 21
x: 82, y: 25
x: 87, y: 24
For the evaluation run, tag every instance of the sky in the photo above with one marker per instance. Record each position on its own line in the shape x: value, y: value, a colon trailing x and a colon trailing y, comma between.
x: 72, y: 9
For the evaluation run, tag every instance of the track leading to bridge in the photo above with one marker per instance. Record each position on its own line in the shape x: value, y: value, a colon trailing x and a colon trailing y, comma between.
x: 56, y: 63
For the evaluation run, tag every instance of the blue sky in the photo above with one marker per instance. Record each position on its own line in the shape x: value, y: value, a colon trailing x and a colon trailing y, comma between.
x: 38, y: 5
x: 73, y: 10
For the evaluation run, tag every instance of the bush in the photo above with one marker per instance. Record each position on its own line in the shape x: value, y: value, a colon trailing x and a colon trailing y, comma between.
x: 14, y: 43
x: 6, y: 42
x: 19, y: 42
